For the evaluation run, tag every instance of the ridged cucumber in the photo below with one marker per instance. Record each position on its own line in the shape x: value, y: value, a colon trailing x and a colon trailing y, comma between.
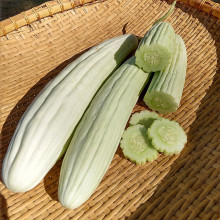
x: 167, y: 136
x: 165, y: 90
x: 136, y: 146
x: 47, y: 124
x: 156, y: 48
x: 145, y: 118
x: 98, y: 134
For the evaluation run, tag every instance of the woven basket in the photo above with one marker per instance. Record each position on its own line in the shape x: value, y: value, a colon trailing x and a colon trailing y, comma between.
x: 36, y: 45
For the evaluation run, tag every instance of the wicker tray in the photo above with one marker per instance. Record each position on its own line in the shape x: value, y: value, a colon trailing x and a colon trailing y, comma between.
x: 36, y: 45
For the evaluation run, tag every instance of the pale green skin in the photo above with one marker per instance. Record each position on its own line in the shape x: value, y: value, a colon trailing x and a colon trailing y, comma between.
x: 145, y: 118
x: 136, y: 146
x: 98, y: 134
x: 167, y: 136
x: 166, y: 88
x: 156, y: 48
x: 46, y: 126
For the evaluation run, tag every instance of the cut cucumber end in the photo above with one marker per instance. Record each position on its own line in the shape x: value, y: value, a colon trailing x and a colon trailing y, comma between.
x: 167, y: 136
x: 153, y: 57
x: 161, y: 102
x: 136, y: 146
x: 145, y: 118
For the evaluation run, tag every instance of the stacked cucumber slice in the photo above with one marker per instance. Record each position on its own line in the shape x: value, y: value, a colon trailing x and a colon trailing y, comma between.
x: 167, y: 136
x: 136, y: 146
x: 145, y: 118
x: 149, y: 134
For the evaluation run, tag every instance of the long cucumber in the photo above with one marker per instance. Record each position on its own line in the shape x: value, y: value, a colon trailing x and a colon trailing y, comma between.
x: 98, y: 134
x: 45, y: 127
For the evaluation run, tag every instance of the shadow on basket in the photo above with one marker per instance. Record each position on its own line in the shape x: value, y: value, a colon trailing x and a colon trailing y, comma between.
x: 3, y: 208
x: 194, y: 174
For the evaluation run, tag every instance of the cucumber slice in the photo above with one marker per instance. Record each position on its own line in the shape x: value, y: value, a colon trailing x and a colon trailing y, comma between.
x: 145, y: 118
x: 165, y: 90
x: 167, y: 136
x: 136, y: 146
x: 157, y: 46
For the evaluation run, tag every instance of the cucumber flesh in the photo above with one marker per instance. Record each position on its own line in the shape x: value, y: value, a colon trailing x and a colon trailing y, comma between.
x: 156, y: 48
x: 152, y: 57
x: 145, y: 118
x: 160, y: 101
x: 167, y: 136
x: 136, y: 146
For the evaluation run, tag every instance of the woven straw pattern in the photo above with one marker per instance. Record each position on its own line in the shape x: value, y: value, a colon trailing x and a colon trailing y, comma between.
x: 48, y: 9
x: 52, y: 7
x: 184, y: 187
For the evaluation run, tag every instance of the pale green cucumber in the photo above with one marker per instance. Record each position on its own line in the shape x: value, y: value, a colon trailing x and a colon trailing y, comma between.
x: 145, y: 118
x: 165, y: 90
x: 136, y: 146
x: 98, y: 134
x: 167, y: 136
x: 44, y: 129
x: 157, y: 46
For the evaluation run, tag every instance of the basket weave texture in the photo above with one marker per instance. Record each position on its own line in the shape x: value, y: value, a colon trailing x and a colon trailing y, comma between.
x: 186, y: 186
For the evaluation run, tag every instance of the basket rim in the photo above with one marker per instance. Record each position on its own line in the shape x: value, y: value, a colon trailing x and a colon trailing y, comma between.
x: 49, y: 8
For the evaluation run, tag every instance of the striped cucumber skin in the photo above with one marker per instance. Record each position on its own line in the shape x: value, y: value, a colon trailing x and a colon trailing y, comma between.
x: 45, y: 127
x: 136, y: 145
x: 166, y: 88
x: 98, y: 134
x: 156, y: 48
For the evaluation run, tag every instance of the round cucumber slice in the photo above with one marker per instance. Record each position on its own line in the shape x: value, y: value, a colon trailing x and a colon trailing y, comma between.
x: 153, y: 57
x: 145, y: 118
x: 167, y: 136
x: 136, y: 146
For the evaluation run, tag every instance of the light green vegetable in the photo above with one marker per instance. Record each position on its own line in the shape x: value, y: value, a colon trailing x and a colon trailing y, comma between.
x: 136, y: 146
x: 98, y: 134
x: 46, y: 126
x: 167, y: 136
x: 165, y: 90
x: 157, y: 46
x: 145, y: 118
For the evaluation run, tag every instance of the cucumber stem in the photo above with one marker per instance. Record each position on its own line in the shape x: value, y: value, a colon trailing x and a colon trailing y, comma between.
x: 167, y: 14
